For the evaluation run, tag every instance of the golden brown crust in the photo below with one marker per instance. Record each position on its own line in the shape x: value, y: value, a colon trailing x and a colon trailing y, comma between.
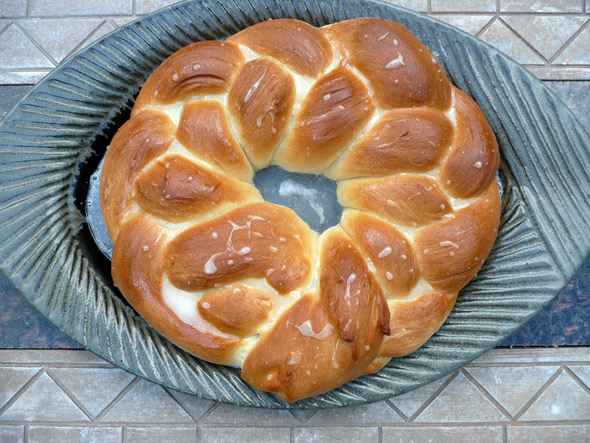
x: 298, y: 45
x: 261, y: 101
x: 472, y: 164
x: 205, y: 131
x: 137, y: 272
x: 239, y: 281
x: 403, y: 140
x: 200, y: 68
x: 400, y: 68
x: 335, y: 110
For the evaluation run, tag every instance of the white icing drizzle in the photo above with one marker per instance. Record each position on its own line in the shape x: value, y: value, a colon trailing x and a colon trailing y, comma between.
x: 385, y: 252
x: 396, y: 62
x: 306, y: 329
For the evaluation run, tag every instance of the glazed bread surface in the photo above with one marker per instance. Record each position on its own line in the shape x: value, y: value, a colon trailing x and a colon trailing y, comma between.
x: 239, y: 281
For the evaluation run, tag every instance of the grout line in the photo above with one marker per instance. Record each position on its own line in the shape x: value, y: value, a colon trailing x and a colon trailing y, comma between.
x: 487, y: 394
x: 487, y: 26
x: 396, y: 410
x: 568, y: 42
x: 429, y: 6
x: 577, y: 379
x: 433, y: 396
x: 291, y: 435
x: 26, y: 433
x: 28, y: 11
x: 133, y: 7
x: 537, y: 394
x: 497, y: 7
x: 524, y: 40
x: 39, y: 47
x: 119, y: 396
x: 21, y: 391
x: 209, y: 411
x: 10, y: 23
x: 184, y: 408
x: 379, y: 434
x: 124, y: 434
x: 70, y: 395
x: 504, y: 434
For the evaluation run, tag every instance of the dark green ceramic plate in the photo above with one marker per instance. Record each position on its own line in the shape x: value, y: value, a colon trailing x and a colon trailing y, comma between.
x: 52, y: 141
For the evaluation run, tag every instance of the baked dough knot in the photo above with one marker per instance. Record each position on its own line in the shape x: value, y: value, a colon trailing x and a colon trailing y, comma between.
x: 239, y: 281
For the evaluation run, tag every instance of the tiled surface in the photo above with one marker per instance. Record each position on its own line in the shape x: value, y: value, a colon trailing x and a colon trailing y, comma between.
x: 506, y: 395
x: 550, y: 37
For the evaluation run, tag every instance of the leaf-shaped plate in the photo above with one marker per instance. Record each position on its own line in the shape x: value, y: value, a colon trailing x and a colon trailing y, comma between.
x: 52, y: 141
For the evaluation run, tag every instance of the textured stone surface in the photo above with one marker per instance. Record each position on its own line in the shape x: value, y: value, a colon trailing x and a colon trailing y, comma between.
x: 245, y: 435
x: 499, y: 36
x: 161, y: 435
x: 12, y: 434
x: 48, y: 434
x: 57, y: 8
x: 490, y: 434
x: 463, y: 6
x: 329, y: 435
x: 540, y: 6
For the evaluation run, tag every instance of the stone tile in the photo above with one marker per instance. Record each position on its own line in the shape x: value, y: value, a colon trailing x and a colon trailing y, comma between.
x: 13, y: 8
x: 17, y: 51
x: 379, y: 413
x: 146, y: 403
x: 10, y: 96
x: 411, y: 401
x: 51, y: 356
x: 560, y: 73
x: 58, y: 37
x: 65, y: 8
x: 48, y: 434
x: 540, y: 6
x: 575, y: 96
x: 120, y: 21
x: 303, y: 414
x: 94, y: 388
x: 471, y: 24
x: 44, y: 401
x: 442, y: 434
x: 194, y: 405
x: 12, y: 434
x: 577, y: 51
x: 102, y: 30
x: 416, y: 5
x: 161, y: 435
x: 22, y: 77
x: 4, y: 24
x: 245, y: 435
x: 535, y: 434
x: 583, y: 372
x: 564, y: 399
x: 463, y: 6
x: 547, y: 34
x: 147, y: 6
x: 13, y: 379
x: 226, y: 414
x: 499, y: 36
x: 330, y: 435
x: 460, y: 401
x: 513, y: 387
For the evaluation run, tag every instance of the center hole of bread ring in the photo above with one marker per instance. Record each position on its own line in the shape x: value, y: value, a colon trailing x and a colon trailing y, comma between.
x: 312, y: 197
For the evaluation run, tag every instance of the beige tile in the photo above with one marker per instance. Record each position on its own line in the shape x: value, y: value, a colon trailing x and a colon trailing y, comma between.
x: 146, y: 403
x: 43, y: 401
x: 505, y: 40
x: 59, y: 37
x: 245, y: 435
x: 463, y: 6
x: 564, y: 399
x: 73, y: 357
x: 539, y: 434
x: 577, y: 52
x: 12, y: 379
x: 416, y: 5
x: 13, y: 8
x: 161, y: 435
x: 65, y: 8
x: 442, y: 434
x: 226, y: 414
x: 147, y: 6
x: 372, y: 413
x: 547, y: 34
x: 17, y: 51
x: 411, y: 401
x: 460, y: 401
x: 513, y: 387
x: 540, y: 6
x: 330, y: 435
x: 194, y: 405
x: 49, y: 434
x: 12, y: 434
x: 471, y: 24
x: 94, y: 388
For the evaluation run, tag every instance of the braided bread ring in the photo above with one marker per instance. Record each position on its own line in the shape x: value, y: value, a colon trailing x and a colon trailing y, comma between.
x: 239, y: 281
